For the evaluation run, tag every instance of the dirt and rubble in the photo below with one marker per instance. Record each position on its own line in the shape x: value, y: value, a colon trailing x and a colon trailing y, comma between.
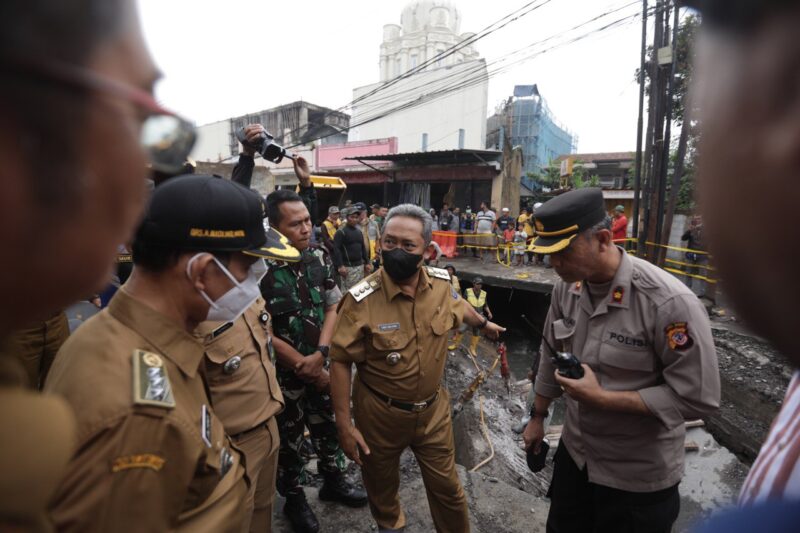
x: 754, y: 380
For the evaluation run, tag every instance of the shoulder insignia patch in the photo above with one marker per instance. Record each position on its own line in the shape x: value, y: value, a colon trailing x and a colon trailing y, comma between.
x: 364, y: 289
x: 142, y: 460
x: 151, y: 384
x: 678, y: 336
x: 440, y: 273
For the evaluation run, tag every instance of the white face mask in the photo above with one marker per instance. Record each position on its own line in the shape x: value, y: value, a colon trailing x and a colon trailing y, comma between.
x: 233, y: 303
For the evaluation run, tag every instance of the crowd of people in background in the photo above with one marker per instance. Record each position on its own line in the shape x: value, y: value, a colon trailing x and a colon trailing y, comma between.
x: 480, y: 234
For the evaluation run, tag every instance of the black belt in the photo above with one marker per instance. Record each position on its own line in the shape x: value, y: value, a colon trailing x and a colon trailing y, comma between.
x: 412, y: 407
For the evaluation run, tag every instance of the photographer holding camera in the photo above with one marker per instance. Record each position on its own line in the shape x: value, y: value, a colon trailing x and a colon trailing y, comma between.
x: 648, y: 361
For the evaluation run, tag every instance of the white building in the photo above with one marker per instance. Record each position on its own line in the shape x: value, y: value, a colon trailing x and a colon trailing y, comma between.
x: 444, y: 105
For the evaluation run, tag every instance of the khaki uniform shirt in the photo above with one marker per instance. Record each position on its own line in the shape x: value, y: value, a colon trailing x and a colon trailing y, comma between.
x: 239, y: 368
x: 652, y: 335
x: 35, y: 447
x: 387, y: 321
x: 151, y: 455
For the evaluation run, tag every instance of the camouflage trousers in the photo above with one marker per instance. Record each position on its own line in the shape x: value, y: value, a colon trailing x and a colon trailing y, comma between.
x: 305, y: 407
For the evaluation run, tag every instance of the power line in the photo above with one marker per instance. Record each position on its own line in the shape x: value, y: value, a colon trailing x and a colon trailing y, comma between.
x: 458, y: 85
x: 475, y: 73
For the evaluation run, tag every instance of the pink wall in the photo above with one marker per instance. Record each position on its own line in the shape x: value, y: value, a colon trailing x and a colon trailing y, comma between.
x: 332, y: 155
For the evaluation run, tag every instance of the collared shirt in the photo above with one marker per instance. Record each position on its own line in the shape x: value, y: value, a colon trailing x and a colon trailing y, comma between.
x: 389, y: 321
x: 142, y: 466
x: 240, y: 371
x: 649, y: 335
x: 776, y: 473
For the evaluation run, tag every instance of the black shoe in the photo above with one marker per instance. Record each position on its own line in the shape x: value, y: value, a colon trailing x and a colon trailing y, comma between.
x: 335, y: 488
x: 300, y: 514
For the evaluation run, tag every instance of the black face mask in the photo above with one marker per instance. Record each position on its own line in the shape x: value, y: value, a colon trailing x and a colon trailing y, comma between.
x: 399, y: 264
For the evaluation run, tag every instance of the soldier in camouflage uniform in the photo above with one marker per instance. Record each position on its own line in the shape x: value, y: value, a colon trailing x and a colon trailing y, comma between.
x: 302, y: 299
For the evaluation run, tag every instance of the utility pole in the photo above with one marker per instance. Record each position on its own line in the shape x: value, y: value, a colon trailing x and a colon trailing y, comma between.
x: 657, y: 144
x: 665, y: 219
x: 653, y: 133
x: 637, y: 188
x: 665, y: 149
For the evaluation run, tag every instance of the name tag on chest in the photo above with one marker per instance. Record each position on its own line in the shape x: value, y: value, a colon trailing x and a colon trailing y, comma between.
x: 393, y: 326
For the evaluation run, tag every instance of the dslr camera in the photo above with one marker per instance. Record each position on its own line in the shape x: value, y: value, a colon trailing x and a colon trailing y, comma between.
x: 265, y: 145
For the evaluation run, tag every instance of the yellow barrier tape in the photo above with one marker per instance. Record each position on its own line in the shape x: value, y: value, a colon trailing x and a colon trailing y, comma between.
x: 677, y: 248
x: 696, y: 276
x: 692, y: 265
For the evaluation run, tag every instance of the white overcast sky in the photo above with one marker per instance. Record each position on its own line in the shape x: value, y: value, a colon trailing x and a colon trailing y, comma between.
x: 222, y: 59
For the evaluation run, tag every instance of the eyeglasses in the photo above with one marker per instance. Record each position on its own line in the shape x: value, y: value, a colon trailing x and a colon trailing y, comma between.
x: 166, y: 138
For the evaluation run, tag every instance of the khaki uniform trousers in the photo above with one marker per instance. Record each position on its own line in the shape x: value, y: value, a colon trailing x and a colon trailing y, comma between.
x: 353, y: 277
x: 388, y: 431
x: 260, y: 448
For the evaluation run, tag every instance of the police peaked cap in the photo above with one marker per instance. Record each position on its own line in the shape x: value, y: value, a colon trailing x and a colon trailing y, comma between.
x: 561, y: 219
x: 209, y: 214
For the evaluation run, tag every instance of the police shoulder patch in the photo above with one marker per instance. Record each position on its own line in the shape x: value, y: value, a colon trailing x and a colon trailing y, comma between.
x: 151, y: 384
x: 678, y: 336
x: 440, y: 273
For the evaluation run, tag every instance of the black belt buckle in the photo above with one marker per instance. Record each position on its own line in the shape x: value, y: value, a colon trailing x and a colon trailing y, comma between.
x: 418, y: 407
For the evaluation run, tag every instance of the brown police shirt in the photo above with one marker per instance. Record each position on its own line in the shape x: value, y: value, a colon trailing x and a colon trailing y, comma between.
x: 386, y: 321
x: 240, y: 370
x: 152, y: 455
x: 649, y: 334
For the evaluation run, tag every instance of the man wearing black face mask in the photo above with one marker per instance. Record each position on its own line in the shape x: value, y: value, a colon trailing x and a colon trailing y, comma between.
x: 394, y: 326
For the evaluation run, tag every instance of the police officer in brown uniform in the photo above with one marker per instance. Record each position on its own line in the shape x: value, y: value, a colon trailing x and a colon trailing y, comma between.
x: 394, y: 327
x: 648, y: 359
x: 152, y: 453
x: 245, y: 392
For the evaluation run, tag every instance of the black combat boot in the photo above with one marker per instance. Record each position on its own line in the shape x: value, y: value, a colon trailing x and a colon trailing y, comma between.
x: 299, y: 513
x: 335, y: 488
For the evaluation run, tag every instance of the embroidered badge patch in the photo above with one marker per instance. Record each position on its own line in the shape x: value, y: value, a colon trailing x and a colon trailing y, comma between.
x: 454, y: 293
x: 678, y: 336
x: 617, y: 295
x: 142, y: 460
x: 151, y: 384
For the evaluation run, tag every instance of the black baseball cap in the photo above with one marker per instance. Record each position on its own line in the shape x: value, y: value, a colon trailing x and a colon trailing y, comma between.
x: 209, y: 214
x: 360, y: 206
x: 561, y: 219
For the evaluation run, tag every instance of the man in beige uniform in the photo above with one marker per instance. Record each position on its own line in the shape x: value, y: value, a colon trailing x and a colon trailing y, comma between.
x: 246, y: 396
x: 646, y: 349
x: 394, y: 327
x: 152, y: 454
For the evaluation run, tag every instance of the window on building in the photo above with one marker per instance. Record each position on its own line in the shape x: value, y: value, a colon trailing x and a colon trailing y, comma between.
x: 413, y: 63
x: 439, y: 60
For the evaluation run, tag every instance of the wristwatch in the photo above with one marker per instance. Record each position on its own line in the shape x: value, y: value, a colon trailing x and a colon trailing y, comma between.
x: 324, y: 350
x: 534, y: 414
